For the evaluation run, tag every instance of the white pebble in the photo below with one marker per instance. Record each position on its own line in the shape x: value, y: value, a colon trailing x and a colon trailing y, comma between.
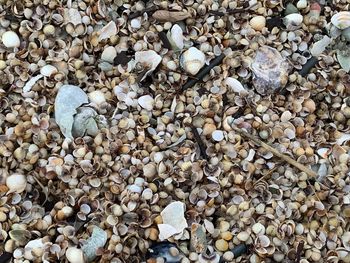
x: 10, y: 39
x: 217, y: 135
x: 75, y: 255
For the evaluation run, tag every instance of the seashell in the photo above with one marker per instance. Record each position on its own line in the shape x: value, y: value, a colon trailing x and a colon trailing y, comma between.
x: 344, y: 60
x: 72, y: 16
x: 174, y: 221
x: 258, y: 22
x: 10, y: 39
x: 16, y: 183
x: 68, y: 99
x: 176, y: 37
x: 319, y: 46
x: 108, y: 54
x: 235, y: 85
x: 149, y: 58
x: 135, y: 23
x: 302, y: 4
x: 75, y: 255
x: 217, y: 135
x: 48, y: 70
x: 192, y: 60
x: 270, y: 70
x: 323, y: 152
x: 146, y: 102
x: 168, y: 16
x: 293, y: 21
x: 108, y: 31
x: 28, y: 86
x: 97, y: 97
x: 341, y: 20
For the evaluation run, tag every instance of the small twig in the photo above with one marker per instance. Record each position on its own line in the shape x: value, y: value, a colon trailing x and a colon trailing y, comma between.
x: 201, y: 74
x: 230, y: 12
x: 300, y: 248
x: 308, y: 66
x: 140, y: 13
x: 165, y: 40
x: 265, y: 175
x: 200, y: 142
x: 284, y: 157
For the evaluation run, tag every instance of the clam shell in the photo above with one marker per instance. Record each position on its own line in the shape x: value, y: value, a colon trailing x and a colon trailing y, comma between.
x: 235, y: 85
x: 176, y: 37
x: 149, y: 57
x: 48, y: 70
x: 10, y: 39
x: 108, y: 30
x: 293, y: 21
x: 192, y: 60
x: 341, y: 20
x: 270, y: 70
x: 108, y: 54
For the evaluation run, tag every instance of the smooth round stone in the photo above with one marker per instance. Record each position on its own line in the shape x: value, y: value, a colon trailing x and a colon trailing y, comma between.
x: 221, y: 245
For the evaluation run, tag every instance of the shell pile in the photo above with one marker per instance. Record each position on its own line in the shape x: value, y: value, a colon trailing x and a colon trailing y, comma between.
x: 186, y: 131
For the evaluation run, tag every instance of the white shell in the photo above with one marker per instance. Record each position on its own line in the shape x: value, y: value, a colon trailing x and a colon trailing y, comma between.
x: 302, y: 4
x: 258, y: 22
x: 293, y: 21
x: 319, y: 46
x: 31, y: 83
x: 108, y: 54
x: 192, y: 60
x: 341, y: 20
x: 136, y: 23
x: 48, y: 70
x: 16, y: 183
x: 149, y: 57
x: 97, y: 97
x: 10, y: 39
x: 108, y: 30
x: 75, y: 255
x: 146, y: 102
x: 73, y: 16
x: 217, y: 135
x: 176, y: 35
x: 174, y: 221
x: 235, y: 85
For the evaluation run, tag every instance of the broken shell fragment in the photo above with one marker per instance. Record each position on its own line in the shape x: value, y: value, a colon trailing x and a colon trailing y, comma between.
x: 97, y: 240
x: 270, y: 70
x: 10, y: 39
x: 146, y: 102
x: 235, y: 85
x: 108, y: 54
x: 108, y: 31
x: 176, y: 37
x: 149, y: 60
x: 68, y: 99
x: 173, y: 219
x: 192, y: 60
x: 341, y: 20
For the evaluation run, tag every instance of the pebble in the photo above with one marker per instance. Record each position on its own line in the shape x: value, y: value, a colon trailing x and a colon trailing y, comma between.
x: 302, y: 4
x: 258, y: 23
x: 108, y: 54
x: 227, y: 235
x: 208, y: 129
x: 97, y: 97
x: 3, y: 64
x: 258, y: 229
x: 228, y: 256
x: 10, y: 39
x: 243, y: 236
x: 48, y: 70
x: 221, y: 245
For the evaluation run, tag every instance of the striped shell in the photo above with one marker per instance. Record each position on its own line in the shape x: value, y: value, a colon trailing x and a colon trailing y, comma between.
x: 341, y: 20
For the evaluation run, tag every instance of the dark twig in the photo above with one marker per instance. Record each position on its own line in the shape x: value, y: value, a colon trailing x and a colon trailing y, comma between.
x: 308, y: 66
x: 165, y: 40
x: 5, y: 257
x: 237, y: 252
x: 200, y: 142
x: 201, y: 74
x: 140, y: 13
x: 230, y: 12
x: 300, y: 248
